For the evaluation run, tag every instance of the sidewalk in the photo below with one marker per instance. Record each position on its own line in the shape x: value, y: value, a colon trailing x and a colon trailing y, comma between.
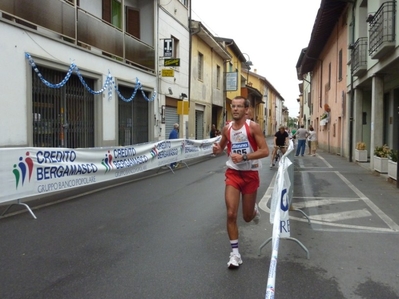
x: 366, y: 166
x: 351, y: 230
x: 350, y: 188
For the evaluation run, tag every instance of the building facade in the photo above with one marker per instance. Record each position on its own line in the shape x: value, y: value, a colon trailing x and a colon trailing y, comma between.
x: 71, y: 83
x: 350, y: 66
x: 173, y: 27
x: 207, y: 95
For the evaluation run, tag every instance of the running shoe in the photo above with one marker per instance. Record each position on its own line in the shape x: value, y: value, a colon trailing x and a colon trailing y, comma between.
x: 235, y: 261
x: 257, y: 216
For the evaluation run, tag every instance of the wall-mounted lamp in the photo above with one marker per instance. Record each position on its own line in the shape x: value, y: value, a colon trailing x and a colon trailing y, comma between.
x: 248, y: 63
x: 351, y: 46
x: 170, y: 90
x: 183, y: 96
x: 163, y: 114
x: 370, y: 18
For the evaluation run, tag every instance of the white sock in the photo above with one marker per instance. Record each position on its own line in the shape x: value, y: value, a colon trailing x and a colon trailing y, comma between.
x: 234, y: 246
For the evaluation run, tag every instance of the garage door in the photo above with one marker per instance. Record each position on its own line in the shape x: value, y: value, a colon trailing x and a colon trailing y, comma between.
x: 199, y: 125
x: 171, y: 117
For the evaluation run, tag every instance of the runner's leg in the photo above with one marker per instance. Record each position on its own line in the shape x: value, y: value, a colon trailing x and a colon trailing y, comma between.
x: 232, y: 198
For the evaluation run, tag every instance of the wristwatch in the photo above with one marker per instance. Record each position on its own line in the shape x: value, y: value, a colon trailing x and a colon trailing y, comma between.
x: 244, y: 157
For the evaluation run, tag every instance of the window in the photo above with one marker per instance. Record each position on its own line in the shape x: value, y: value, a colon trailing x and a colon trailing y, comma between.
x: 184, y: 2
x: 71, y: 2
x: 175, y: 53
x: 62, y: 117
x: 200, y: 66
x: 218, y: 77
x: 112, y: 12
x: 133, y: 118
x: 133, y: 22
x: 340, y: 65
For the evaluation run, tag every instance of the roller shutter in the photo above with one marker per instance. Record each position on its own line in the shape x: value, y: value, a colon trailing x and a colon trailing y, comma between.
x: 171, y: 117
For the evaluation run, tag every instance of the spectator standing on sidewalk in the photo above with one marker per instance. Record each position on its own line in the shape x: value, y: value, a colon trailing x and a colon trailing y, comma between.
x: 174, y: 134
x: 301, y: 136
x: 212, y: 133
x: 312, y: 138
x: 245, y: 146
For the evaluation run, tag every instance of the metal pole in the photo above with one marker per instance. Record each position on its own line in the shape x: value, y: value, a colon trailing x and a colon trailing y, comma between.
x: 397, y: 148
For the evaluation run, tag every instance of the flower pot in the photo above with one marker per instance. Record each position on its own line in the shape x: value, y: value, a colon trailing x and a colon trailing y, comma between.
x: 360, y: 155
x: 381, y: 164
x: 392, y: 169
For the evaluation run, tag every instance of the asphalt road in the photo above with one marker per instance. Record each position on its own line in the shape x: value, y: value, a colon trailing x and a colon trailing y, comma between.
x: 164, y: 237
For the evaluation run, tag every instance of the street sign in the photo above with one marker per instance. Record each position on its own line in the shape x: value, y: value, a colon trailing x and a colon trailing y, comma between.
x: 172, y: 62
x: 168, y: 73
x: 168, y: 47
x: 231, y: 81
x: 182, y: 108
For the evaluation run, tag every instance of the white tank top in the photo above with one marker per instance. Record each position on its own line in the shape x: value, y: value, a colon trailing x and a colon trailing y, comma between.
x: 240, y: 145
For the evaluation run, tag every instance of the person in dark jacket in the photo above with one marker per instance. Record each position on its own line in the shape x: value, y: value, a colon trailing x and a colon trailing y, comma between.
x: 174, y: 134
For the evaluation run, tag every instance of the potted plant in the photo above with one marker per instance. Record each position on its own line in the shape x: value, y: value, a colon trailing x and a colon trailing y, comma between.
x: 360, y: 152
x: 381, y: 154
x: 393, y: 164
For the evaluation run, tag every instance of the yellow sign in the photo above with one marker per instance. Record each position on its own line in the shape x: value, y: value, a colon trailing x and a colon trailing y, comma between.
x: 182, y: 107
x: 172, y: 62
x: 168, y: 73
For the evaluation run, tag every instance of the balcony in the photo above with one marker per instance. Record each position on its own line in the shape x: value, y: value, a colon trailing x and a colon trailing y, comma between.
x: 382, y: 30
x: 359, y: 57
x: 59, y: 19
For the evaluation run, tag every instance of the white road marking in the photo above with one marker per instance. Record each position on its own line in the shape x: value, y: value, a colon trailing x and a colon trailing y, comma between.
x: 322, y: 202
x: 302, y: 165
x: 325, y: 161
x: 332, y: 217
x: 329, y: 220
x: 368, y: 202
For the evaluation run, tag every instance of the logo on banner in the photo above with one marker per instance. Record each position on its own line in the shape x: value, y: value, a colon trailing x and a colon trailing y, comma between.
x: 23, y: 170
x: 154, y: 151
x: 107, y: 162
x: 182, y: 147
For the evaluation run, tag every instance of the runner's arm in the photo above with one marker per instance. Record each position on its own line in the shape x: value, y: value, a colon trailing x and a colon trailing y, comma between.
x: 218, y: 147
x: 263, y: 149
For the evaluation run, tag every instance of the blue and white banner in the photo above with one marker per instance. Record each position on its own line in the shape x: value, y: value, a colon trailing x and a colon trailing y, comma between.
x: 280, y: 199
x: 33, y: 171
x: 279, y: 216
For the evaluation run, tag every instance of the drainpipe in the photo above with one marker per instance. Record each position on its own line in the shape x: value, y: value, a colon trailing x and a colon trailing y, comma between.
x: 352, y: 91
x: 189, y: 57
x: 189, y: 61
x: 321, y: 79
x: 397, y: 164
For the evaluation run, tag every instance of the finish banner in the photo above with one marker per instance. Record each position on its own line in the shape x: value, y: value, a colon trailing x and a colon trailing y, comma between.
x: 280, y: 200
x: 33, y: 171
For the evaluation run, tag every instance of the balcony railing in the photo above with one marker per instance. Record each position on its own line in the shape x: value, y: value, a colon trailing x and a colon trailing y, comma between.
x: 60, y: 19
x: 359, y: 56
x: 382, y: 30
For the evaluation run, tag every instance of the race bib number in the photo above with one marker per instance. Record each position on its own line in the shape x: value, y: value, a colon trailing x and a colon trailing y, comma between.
x: 240, y: 148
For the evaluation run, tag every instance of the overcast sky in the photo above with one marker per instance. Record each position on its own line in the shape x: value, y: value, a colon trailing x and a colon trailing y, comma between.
x: 271, y: 32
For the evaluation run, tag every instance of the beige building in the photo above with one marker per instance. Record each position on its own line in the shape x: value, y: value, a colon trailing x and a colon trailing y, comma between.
x: 233, y: 72
x: 207, y: 96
